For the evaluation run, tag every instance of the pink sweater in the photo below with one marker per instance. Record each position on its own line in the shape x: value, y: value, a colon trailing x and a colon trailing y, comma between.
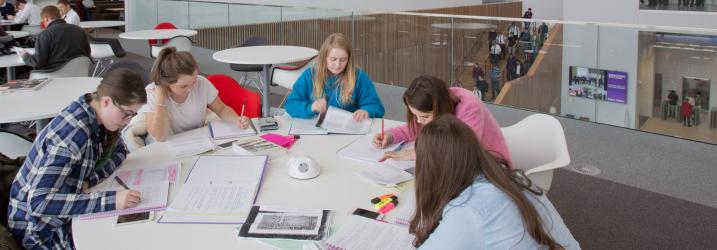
x: 470, y: 110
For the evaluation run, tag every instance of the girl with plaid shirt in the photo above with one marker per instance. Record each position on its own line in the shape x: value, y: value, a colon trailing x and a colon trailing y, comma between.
x: 77, y: 150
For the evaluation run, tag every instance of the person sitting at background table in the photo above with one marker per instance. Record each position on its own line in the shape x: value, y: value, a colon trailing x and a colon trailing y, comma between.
x: 68, y: 14
x: 179, y: 97
x: 58, y: 43
x: 6, y: 9
x: 428, y: 98
x: 27, y: 13
x: 465, y: 199
x: 78, y: 149
x: 334, y: 81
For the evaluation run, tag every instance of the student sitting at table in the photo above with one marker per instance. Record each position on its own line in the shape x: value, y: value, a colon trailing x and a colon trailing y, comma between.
x: 465, y: 199
x: 179, y: 97
x: 27, y: 13
x: 68, y: 14
x: 58, y: 43
x: 78, y: 149
x: 334, y: 81
x: 428, y: 98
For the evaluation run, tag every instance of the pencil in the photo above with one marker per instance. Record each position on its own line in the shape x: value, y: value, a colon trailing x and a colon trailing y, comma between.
x: 243, y: 104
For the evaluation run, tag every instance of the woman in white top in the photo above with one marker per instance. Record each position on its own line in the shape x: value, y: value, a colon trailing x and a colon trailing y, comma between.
x: 68, y: 14
x: 178, y: 98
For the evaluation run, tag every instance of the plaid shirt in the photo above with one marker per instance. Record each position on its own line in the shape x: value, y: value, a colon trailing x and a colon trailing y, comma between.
x: 47, y: 192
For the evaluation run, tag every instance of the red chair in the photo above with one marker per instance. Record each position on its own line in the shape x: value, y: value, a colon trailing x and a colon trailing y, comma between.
x: 162, y: 26
x: 234, y: 95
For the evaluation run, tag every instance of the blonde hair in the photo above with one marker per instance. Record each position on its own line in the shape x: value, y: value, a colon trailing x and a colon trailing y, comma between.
x: 346, y: 79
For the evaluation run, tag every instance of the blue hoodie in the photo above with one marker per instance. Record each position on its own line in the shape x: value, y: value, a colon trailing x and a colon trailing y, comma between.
x: 364, y: 96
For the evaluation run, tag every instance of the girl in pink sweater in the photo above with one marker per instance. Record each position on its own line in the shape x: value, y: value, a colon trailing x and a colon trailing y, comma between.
x: 429, y: 97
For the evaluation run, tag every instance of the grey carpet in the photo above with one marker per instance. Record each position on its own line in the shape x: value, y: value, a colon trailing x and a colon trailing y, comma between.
x: 606, y: 215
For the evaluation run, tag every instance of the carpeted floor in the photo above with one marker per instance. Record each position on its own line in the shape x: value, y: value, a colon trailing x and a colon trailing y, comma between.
x: 606, y: 215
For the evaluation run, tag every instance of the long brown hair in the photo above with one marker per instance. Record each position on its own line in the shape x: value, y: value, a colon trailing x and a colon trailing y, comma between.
x: 171, y: 64
x: 347, y: 78
x: 448, y: 159
x: 125, y: 87
x: 430, y: 95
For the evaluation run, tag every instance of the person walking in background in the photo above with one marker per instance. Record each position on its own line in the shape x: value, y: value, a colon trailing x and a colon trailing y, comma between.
x: 495, y: 74
x: 528, y: 15
x: 686, y: 112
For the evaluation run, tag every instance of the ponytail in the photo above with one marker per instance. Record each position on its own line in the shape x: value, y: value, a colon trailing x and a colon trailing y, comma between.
x: 171, y: 64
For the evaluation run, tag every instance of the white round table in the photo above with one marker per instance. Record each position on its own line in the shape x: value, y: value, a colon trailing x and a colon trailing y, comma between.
x: 45, y: 102
x: 337, y: 188
x: 100, y: 24
x: 18, y: 34
x: 267, y: 56
x: 156, y: 34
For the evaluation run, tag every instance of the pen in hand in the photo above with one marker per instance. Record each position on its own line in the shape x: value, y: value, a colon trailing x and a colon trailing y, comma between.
x: 119, y: 180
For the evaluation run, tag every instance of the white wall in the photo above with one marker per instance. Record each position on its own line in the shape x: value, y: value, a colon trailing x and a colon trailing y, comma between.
x: 545, y: 9
x: 675, y: 63
x: 646, y: 71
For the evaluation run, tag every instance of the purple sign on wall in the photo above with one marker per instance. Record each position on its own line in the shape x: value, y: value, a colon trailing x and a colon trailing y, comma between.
x: 617, y: 86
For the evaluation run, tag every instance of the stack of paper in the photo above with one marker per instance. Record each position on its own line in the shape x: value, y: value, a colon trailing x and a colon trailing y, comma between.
x: 384, y: 175
x: 364, y: 233
x: 364, y: 150
x: 182, y: 147
x: 218, y: 190
x: 225, y: 130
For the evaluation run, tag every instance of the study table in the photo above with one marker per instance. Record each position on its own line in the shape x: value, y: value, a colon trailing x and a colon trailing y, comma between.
x: 46, y: 102
x: 18, y: 34
x: 100, y: 24
x: 159, y: 34
x: 336, y: 188
x: 10, y: 62
x: 266, y: 56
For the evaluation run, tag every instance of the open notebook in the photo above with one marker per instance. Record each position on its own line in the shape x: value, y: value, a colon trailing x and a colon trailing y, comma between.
x: 220, y: 189
x: 152, y: 183
x: 363, y: 149
x: 226, y: 130
x: 335, y: 120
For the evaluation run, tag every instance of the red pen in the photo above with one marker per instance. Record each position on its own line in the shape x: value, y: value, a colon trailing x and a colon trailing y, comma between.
x: 382, y: 130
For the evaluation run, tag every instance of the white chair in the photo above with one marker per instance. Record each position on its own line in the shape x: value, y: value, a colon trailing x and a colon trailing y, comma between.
x: 182, y: 43
x: 286, y: 76
x: 13, y: 145
x: 537, y: 146
x: 103, y: 50
x: 78, y: 67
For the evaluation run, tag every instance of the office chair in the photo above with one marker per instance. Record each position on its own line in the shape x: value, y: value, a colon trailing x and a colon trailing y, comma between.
x: 286, y: 76
x: 77, y: 67
x: 251, y: 68
x: 235, y: 96
x: 102, y: 50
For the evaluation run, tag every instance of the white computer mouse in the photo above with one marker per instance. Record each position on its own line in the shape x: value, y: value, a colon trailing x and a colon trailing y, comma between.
x: 302, y: 168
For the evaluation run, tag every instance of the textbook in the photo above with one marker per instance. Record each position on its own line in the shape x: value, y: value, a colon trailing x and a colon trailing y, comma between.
x: 23, y: 85
x: 227, y: 130
x: 256, y: 145
x: 334, y: 120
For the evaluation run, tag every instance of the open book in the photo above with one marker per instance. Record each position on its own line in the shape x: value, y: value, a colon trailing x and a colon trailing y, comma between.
x: 225, y: 130
x: 286, y: 223
x: 218, y: 190
x: 335, y: 120
x: 23, y: 85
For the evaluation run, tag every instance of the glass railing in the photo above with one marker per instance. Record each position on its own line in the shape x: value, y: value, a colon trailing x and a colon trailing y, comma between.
x: 621, y: 75
x: 679, y: 5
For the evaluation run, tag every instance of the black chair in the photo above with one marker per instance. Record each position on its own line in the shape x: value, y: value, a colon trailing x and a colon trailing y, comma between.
x: 131, y: 65
x: 102, y: 50
x: 251, y: 68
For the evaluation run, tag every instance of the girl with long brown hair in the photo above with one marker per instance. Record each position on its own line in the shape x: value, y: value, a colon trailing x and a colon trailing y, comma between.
x: 428, y: 98
x: 334, y: 81
x: 78, y: 149
x: 178, y: 97
x: 465, y: 199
